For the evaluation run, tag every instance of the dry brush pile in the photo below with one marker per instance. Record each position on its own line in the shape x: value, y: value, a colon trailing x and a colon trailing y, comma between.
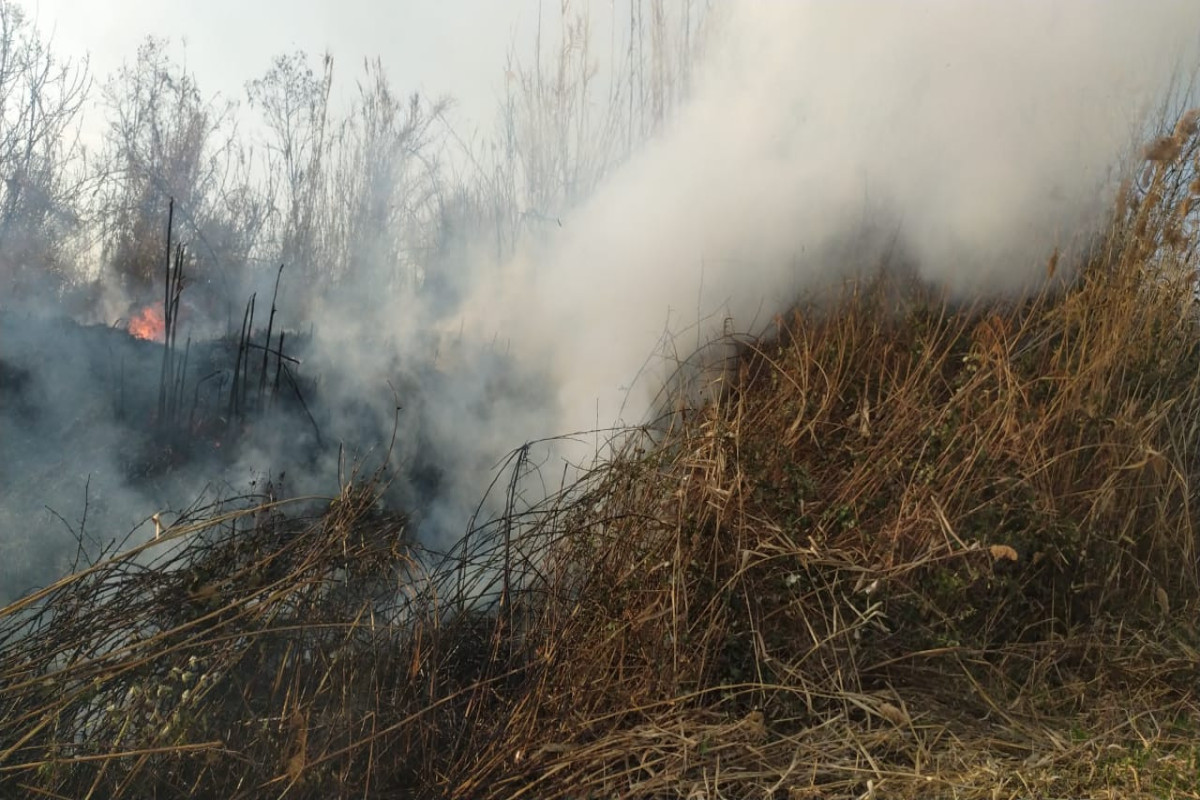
x: 915, y: 549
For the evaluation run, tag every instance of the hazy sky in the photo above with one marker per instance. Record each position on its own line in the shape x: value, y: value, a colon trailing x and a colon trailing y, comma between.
x: 439, y: 47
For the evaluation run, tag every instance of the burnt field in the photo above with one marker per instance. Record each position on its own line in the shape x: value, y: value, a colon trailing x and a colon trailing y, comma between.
x: 103, y: 428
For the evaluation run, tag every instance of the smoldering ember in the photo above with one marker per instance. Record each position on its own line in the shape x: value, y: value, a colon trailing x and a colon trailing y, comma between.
x: 649, y: 398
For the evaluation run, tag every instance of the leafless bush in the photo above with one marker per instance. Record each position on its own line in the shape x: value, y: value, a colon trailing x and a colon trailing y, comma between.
x: 167, y: 141
x: 41, y: 98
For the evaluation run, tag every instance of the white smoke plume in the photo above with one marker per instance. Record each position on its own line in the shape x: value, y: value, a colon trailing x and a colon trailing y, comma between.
x: 986, y: 133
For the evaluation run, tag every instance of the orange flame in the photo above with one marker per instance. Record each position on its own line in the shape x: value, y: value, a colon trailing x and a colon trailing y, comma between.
x: 148, y: 324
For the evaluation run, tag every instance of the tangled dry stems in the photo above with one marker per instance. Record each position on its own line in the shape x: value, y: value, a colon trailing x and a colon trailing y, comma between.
x: 913, y: 549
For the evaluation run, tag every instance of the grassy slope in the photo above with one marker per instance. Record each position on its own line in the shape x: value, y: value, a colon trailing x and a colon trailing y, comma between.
x: 913, y: 550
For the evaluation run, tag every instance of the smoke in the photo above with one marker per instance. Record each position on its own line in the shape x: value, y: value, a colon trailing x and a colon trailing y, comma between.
x: 980, y: 135
x: 818, y: 139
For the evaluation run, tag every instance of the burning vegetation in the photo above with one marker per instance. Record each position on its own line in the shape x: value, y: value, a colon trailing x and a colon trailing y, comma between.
x: 148, y: 324
x: 898, y: 545
x: 914, y: 548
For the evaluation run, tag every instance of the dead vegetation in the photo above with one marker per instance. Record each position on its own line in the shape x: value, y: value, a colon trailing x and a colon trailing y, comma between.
x: 915, y: 550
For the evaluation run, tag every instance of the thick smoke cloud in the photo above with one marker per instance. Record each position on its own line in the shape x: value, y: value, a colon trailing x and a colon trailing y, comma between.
x: 983, y: 134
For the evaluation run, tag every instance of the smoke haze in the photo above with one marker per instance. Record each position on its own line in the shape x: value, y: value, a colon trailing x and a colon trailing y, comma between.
x: 983, y: 134
x: 977, y: 137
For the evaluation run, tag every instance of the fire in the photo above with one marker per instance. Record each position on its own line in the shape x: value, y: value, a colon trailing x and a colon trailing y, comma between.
x: 148, y: 324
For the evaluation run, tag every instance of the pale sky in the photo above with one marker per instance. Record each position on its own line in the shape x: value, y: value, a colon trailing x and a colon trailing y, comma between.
x: 437, y: 47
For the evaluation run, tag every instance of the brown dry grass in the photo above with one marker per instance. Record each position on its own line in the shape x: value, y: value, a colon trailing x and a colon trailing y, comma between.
x: 915, y: 549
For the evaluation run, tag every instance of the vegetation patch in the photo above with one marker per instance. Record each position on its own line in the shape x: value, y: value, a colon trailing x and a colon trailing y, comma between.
x: 910, y: 548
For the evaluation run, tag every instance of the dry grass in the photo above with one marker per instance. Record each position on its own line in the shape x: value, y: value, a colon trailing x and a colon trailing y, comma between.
x: 915, y: 549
